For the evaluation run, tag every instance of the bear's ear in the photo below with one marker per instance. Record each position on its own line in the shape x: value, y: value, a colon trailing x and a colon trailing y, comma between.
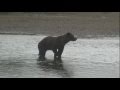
x: 68, y: 33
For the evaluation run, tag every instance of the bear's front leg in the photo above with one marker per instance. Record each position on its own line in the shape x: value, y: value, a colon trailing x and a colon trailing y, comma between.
x: 59, y: 53
x: 55, y: 54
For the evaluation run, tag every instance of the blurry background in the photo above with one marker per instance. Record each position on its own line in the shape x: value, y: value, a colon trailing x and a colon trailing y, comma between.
x: 83, y: 24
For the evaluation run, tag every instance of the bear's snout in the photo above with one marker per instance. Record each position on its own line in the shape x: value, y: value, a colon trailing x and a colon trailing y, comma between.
x: 74, y: 39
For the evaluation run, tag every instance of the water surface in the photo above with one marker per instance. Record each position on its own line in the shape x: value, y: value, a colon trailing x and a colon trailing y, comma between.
x: 87, y: 57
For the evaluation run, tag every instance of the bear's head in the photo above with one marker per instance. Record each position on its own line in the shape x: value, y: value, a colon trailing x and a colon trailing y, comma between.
x: 71, y: 37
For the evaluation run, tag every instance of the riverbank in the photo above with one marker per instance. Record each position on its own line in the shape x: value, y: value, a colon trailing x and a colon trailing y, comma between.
x: 82, y: 24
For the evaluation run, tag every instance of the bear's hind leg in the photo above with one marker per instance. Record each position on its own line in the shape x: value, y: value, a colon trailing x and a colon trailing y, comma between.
x: 42, y: 54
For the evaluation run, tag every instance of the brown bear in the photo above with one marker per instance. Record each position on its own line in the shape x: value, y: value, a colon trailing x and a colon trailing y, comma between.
x: 56, y: 44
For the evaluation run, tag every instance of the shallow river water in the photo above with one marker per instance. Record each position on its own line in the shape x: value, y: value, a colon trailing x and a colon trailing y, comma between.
x: 85, y: 58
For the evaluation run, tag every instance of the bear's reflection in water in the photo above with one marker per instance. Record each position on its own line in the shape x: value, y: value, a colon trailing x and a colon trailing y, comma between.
x: 54, y: 67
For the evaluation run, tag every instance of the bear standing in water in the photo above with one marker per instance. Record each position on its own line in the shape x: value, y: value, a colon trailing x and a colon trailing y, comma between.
x: 56, y: 44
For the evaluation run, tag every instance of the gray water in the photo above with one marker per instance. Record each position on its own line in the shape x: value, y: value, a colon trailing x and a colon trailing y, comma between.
x: 84, y: 58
